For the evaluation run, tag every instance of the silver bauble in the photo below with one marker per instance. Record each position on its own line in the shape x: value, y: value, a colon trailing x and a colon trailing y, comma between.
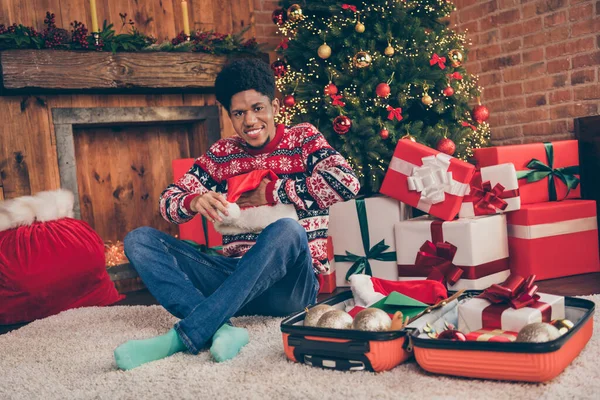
x: 538, y: 332
x: 336, y: 319
x: 314, y: 313
x: 372, y: 319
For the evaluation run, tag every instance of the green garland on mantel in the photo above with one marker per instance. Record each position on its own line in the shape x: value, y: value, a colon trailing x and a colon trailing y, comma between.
x: 18, y: 36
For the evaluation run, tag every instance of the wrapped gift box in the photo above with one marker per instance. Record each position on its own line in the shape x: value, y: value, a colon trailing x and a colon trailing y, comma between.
x: 481, y: 250
x: 478, y: 313
x: 491, y: 335
x: 363, y: 230
x: 533, y: 163
x: 554, y: 239
x: 427, y: 179
x: 327, y: 281
x: 492, y: 190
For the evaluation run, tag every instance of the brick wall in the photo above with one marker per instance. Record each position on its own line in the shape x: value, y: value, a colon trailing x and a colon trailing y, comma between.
x: 538, y: 61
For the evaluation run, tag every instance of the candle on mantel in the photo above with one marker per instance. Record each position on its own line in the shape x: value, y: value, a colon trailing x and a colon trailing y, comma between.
x: 186, y: 18
x: 94, y: 16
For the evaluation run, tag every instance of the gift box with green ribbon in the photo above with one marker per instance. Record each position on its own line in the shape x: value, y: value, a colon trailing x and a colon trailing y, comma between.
x: 362, y: 232
x: 547, y: 171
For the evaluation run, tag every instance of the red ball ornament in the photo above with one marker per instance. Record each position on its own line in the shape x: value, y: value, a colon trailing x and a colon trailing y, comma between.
x: 279, y: 16
x: 383, y: 90
x: 480, y: 113
x: 330, y: 89
x: 289, y: 100
x: 279, y: 68
x: 452, y: 334
x: 446, y: 146
x: 384, y: 133
x: 448, y: 91
x: 342, y: 124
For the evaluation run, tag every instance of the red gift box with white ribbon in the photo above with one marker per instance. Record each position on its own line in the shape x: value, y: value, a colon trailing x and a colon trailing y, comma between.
x: 426, y: 179
x: 554, y: 239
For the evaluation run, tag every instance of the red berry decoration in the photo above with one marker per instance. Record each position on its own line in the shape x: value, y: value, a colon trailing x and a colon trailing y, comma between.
x: 480, y: 113
x: 448, y: 91
x: 289, y: 100
x: 279, y: 68
x: 342, y: 124
x: 330, y: 89
x: 383, y: 90
x: 446, y: 146
x: 452, y: 334
x: 279, y: 16
x: 384, y: 133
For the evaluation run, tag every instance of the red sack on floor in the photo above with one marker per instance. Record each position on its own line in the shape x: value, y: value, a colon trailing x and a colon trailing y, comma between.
x: 48, y: 267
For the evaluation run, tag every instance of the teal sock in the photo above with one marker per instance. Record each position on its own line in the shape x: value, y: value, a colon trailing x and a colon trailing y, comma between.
x: 134, y: 353
x: 227, y: 342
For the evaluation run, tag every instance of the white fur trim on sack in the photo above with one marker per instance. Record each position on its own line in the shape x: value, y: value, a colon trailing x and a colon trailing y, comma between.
x: 42, y: 207
x: 253, y: 219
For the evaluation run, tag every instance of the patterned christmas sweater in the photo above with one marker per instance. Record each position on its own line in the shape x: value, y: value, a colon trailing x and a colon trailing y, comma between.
x: 312, y: 177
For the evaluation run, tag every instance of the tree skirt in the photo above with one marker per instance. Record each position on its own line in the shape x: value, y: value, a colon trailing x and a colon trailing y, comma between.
x: 70, y: 356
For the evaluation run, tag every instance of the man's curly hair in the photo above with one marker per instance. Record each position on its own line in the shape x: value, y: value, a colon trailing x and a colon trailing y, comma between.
x: 244, y: 74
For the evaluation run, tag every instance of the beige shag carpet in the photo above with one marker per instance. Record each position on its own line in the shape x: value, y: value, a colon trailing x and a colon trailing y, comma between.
x: 70, y: 356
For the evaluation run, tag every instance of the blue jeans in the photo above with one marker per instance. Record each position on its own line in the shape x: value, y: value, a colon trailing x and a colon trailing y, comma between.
x: 275, y: 277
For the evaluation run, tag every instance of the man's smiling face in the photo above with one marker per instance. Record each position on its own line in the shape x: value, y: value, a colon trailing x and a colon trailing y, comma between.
x: 253, y: 117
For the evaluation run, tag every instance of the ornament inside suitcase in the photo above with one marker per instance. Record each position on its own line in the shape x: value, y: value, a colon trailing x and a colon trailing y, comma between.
x: 344, y: 349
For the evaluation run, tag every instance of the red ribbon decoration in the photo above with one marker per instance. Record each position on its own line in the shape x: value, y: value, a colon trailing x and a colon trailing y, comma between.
x: 464, y: 123
x: 349, y: 7
x: 516, y: 291
x: 394, y: 113
x: 283, y: 44
x: 455, y: 75
x: 440, y: 61
x: 439, y: 256
x: 337, y: 100
x: 487, y: 200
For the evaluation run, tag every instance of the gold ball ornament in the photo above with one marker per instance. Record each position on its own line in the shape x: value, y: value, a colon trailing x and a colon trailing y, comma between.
x: 294, y: 13
x: 362, y: 59
x: 324, y: 51
x: 455, y: 57
x: 372, y: 320
x: 315, y: 313
x: 427, y: 100
x: 335, y: 319
x: 563, y: 325
x: 359, y: 27
x: 389, y: 51
x: 538, y: 332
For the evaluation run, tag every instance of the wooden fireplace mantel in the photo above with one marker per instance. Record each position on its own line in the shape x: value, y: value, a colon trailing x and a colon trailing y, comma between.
x: 40, y: 71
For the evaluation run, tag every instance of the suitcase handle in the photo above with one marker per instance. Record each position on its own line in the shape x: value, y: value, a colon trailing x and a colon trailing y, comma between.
x: 334, y: 363
x: 325, y: 346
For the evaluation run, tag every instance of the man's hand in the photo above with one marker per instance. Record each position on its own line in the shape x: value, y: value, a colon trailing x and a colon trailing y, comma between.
x: 256, y: 197
x: 208, y: 204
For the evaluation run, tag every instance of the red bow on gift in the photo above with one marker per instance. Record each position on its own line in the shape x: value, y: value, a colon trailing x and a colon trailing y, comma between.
x: 349, y: 7
x: 394, y: 113
x: 516, y: 291
x: 337, y: 100
x: 485, y: 199
x: 455, y: 75
x: 439, y: 257
x: 464, y: 123
x: 440, y: 61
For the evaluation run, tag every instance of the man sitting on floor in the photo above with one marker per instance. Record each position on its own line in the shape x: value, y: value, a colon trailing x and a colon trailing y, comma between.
x: 273, y: 272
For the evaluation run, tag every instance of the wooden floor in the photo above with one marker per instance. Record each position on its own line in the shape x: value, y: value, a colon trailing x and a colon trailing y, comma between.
x: 577, y: 285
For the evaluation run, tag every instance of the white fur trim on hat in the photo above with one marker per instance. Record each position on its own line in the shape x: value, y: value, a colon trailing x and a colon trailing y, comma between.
x: 363, y: 290
x: 253, y: 219
x: 44, y: 206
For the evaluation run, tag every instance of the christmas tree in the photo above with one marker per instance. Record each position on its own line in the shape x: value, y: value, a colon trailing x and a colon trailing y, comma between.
x: 368, y: 74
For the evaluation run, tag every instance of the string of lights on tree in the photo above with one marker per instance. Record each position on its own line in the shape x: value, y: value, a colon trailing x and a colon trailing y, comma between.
x: 371, y: 73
